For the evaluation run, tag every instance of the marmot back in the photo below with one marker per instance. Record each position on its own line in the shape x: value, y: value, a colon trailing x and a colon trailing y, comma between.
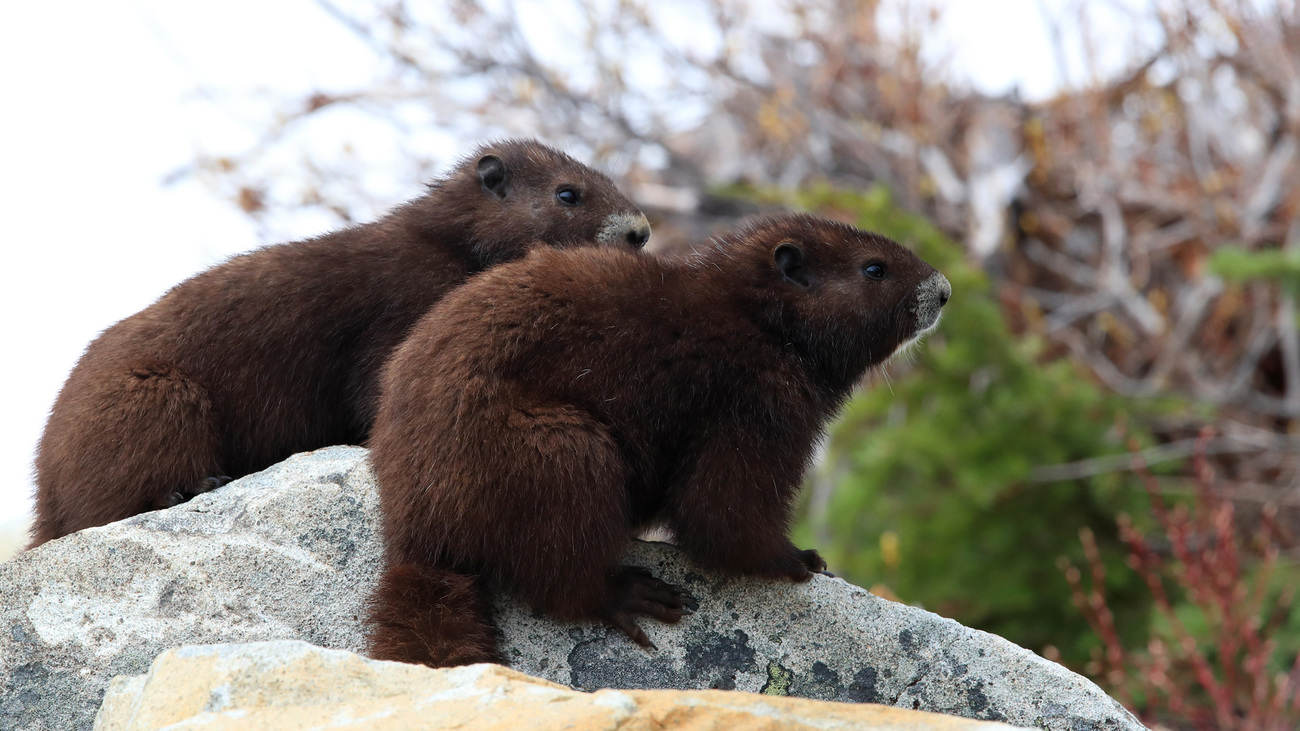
x: 545, y: 412
x: 279, y: 350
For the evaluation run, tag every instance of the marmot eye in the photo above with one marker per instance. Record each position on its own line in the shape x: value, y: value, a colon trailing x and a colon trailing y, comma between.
x: 568, y: 195
x: 874, y: 271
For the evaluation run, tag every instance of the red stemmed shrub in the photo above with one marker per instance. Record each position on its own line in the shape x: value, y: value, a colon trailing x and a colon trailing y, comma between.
x: 1213, y: 659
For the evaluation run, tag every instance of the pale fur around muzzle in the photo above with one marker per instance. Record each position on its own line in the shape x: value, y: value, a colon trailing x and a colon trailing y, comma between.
x: 931, y: 296
x: 634, y: 228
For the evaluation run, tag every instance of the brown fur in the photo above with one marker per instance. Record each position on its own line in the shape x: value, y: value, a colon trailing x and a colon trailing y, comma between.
x: 542, y: 414
x: 279, y: 350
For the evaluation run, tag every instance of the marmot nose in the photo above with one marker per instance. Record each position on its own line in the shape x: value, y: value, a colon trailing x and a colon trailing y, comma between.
x: 945, y: 290
x: 638, y: 236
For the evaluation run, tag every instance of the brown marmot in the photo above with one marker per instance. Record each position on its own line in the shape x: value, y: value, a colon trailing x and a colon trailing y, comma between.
x: 279, y: 350
x: 545, y: 412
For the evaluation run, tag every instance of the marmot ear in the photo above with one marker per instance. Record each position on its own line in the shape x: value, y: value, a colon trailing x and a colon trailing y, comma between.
x: 789, y: 260
x: 492, y: 173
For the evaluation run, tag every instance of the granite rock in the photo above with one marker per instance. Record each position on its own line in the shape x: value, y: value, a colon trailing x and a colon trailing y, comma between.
x: 292, y: 552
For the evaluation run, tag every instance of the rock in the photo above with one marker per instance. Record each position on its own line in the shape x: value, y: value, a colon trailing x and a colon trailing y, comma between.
x: 283, y: 554
x: 292, y: 552
x: 288, y: 684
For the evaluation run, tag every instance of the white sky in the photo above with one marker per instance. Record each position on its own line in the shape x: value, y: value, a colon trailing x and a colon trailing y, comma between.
x: 97, y: 105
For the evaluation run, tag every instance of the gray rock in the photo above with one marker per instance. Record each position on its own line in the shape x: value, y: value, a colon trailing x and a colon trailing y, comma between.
x: 285, y: 553
x: 291, y: 553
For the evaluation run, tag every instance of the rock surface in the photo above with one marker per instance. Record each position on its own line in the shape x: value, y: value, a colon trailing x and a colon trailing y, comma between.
x: 289, y: 684
x: 292, y: 552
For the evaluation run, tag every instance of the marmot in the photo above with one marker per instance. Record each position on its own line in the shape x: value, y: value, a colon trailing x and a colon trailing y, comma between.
x: 542, y: 414
x: 279, y: 350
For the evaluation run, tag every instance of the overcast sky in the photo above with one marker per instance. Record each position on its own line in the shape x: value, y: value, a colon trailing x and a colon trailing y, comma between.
x: 99, y: 105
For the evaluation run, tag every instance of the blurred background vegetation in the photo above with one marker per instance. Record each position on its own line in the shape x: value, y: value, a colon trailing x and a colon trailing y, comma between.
x: 1095, y: 456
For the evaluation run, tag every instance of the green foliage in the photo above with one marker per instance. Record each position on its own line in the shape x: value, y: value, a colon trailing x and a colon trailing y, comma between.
x: 933, y: 493
x: 1273, y: 265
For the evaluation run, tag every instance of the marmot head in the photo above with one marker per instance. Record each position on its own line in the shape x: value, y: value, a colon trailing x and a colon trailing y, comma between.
x: 509, y: 195
x: 846, y: 298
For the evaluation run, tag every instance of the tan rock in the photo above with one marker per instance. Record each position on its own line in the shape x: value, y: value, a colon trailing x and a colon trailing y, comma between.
x: 293, y: 685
